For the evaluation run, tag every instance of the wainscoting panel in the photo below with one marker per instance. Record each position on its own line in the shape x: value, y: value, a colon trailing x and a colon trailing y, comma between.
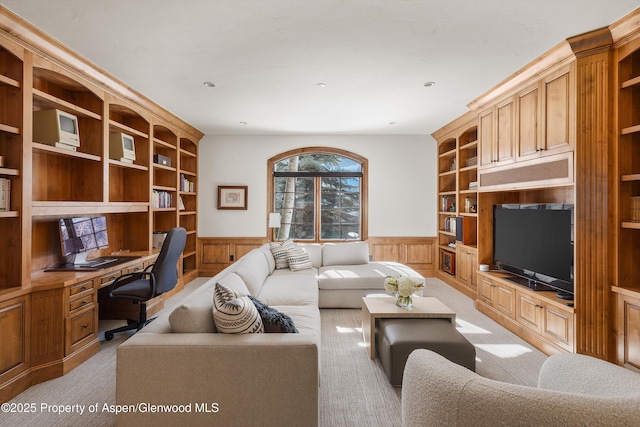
x: 416, y: 252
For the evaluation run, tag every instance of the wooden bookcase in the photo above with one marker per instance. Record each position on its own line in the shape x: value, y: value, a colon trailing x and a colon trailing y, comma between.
x: 457, y: 198
x: 50, y: 320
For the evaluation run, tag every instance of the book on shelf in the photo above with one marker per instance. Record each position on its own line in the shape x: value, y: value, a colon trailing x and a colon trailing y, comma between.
x: 635, y: 208
x: 5, y: 194
x: 162, y: 199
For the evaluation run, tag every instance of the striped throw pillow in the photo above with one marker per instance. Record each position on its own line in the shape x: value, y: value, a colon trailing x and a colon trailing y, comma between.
x: 279, y: 251
x: 298, y: 259
x: 235, y: 313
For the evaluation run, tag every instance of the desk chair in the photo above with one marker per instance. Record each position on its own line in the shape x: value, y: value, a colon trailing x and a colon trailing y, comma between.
x: 141, y: 286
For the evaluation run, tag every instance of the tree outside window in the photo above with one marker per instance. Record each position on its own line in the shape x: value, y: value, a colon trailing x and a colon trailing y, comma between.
x: 319, y: 196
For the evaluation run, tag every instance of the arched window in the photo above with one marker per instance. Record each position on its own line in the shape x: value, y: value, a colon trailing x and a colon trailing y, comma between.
x: 320, y: 193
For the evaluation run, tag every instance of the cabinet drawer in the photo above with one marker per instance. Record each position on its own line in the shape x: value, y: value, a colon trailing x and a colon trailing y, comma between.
x: 81, y: 329
x: 80, y: 303
x: 81, y: 289
x: 107, y: 279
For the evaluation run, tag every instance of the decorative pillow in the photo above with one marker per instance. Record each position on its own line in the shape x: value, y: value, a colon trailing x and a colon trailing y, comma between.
x: 279, y: 251
x: 345, y: 253
x: 235, y: 313
x: 298, y: 259
x: 273, y: 320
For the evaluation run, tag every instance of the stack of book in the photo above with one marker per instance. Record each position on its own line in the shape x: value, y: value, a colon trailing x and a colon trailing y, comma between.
x: 161, y: 199
x: 635, y: 208
x: 5, y: 194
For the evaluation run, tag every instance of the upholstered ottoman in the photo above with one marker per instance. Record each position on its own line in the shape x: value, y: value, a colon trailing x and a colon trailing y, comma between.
x: 397, y: 338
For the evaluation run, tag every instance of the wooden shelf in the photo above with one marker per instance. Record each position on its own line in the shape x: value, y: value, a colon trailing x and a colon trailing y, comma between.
x: 128, y: 129
x: 8, y: 171
x: 63, y: 152
x: 9, y: 81
x: 163, y: 143
x: 630, y: 178
x: 631, y: 82
x: 57, y: 102
x: 167, y: 168
x: 9, y: 214
x: 188, y: 153
x: 57, y: 208
x: 126, y: 165
x: 630, y: 130
x: 9, y: 129
x: 633, y: 225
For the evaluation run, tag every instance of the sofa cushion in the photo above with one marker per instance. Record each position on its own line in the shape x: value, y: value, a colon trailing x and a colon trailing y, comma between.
x: 363, y: 276
x: 273, y: 320
x: 315, y: 253
x: 266, y: 250
x: 234, y: 313
x: 345, y: 253
x: 298, y: 259
x: 253, y: 268
x: 195, y: 314
x: 290, y: 289
x: 279, y: 251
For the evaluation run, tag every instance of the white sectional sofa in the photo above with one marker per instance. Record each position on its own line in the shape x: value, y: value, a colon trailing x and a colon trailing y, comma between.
x: 244, y: 379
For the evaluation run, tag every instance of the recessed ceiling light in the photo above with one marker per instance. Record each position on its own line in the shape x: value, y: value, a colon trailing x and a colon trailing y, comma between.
x: 321, y: 85
x: 243, y: 123
x: 209, y: 84
x: 392, y: 123
x: 429, y: 84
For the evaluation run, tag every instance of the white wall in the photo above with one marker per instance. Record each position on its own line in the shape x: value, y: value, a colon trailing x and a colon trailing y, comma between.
x: 402, y: 180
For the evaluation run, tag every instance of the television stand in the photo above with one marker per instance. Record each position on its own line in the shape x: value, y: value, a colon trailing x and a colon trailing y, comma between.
x: 529, y: 283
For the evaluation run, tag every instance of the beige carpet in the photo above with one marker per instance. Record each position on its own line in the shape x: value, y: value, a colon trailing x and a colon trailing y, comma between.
x: 353, y: 391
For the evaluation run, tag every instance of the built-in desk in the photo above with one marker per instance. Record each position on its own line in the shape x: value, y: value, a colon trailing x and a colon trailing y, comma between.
x: 65, y: 312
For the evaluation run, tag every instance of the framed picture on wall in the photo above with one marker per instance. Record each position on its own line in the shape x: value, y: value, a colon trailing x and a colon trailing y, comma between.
x: 232, y: 197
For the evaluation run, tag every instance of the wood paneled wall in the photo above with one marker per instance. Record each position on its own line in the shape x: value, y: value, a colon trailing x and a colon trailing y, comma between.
x: 419, y: 253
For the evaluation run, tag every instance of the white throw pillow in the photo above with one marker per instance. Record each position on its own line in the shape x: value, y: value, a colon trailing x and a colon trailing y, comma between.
x: 298, y: 259
x: 345, y: 253
x: 235, y: 313
x: 279, y: 251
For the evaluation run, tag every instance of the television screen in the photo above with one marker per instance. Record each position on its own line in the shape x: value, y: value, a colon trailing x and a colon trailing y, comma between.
x: 78, y: 235
x: 67, y: 124
x: 535, y: 242
x: 128, y: 143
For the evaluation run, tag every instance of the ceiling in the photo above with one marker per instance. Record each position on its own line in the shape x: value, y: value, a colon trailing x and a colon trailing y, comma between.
x: 268, y: 57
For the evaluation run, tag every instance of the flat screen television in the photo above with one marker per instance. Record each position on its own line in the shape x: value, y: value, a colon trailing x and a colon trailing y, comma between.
x: 57, y: 128
x: 81, y: 235
x: 122, y: 147
x: 535, y: 243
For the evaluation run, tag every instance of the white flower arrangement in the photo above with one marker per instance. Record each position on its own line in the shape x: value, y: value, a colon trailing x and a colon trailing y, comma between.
x: 402, y: 286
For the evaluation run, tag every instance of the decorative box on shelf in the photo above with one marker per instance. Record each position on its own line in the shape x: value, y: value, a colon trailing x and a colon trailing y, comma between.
x: 635, y: 208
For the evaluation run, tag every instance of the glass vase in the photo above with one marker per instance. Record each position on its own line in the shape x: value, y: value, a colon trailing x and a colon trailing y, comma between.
x: 404, y: 302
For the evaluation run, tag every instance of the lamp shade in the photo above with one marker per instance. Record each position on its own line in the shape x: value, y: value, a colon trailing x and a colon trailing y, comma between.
x: 274, y: 220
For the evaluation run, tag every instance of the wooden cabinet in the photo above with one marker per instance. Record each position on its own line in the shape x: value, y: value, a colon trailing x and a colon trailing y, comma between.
x: 627, y: 287
x: 467, y: 266
x: 538, y: 317
x: 497, y: 133
x: 628, y: 328
x: 458, y: 156
x: 497, y: 295
x: 546, y: 115
x: 49, y: 182
x: 552, y: 322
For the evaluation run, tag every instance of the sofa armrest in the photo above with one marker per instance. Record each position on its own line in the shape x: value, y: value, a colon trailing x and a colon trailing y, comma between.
x: 578, y: 373
x: 437, y: 392
x: 241, y: 379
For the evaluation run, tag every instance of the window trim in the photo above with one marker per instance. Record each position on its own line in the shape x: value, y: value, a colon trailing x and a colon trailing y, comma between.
x: 364, y: 191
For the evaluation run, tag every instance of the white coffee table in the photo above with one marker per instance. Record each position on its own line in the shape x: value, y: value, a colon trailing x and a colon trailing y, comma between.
x: 385, y: 307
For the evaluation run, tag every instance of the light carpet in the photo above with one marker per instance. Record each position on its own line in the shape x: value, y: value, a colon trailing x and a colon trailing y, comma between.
x: 354, y: 390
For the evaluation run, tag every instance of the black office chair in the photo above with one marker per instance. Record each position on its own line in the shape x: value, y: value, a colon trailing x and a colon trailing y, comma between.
x: 141, y: 286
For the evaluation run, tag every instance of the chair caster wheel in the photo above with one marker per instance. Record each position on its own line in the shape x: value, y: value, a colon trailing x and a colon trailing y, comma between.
x: 108, y: 336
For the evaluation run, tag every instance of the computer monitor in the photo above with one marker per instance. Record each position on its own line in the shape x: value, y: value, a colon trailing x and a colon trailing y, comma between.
x: 57, y: 128
x: 79, y: 236
x: 122, y: 147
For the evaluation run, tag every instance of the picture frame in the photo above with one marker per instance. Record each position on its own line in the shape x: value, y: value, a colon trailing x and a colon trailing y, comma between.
x: 232, y: 197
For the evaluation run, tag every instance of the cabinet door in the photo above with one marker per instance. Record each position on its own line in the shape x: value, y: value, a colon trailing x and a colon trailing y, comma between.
x: 505, y: 300
x: 462, y: 267
x: 485, y: 131
x: 559, y: 99
x: 14, y: 336
x: 628, y: 331
x: 529, y: 311
x: 505, y: 131
x: 528, y: 135
x: 486, y: 290
x: 557, y: 326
